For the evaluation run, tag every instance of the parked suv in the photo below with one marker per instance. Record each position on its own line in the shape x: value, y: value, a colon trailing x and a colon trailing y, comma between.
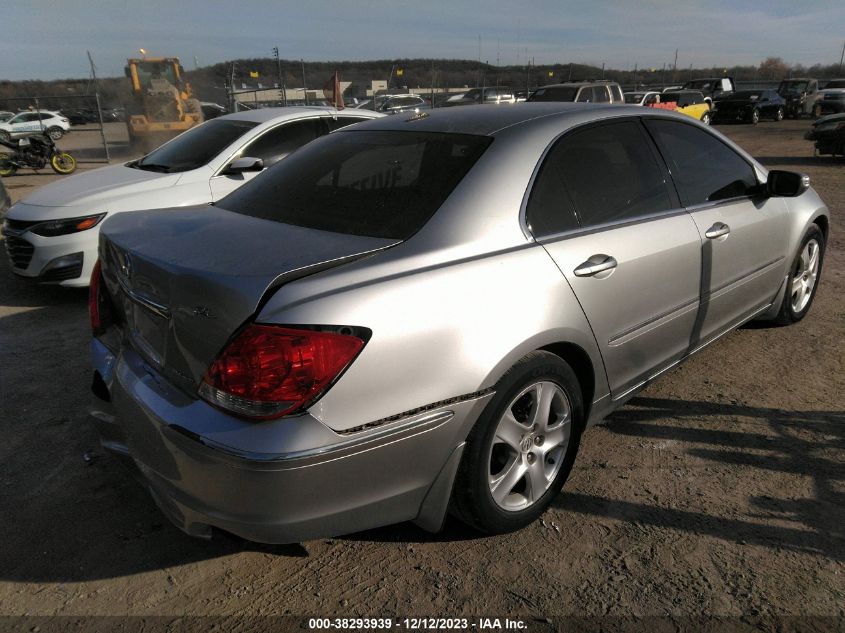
x: 55, y: 124
x: 580, y: 91
x: 831, y: 99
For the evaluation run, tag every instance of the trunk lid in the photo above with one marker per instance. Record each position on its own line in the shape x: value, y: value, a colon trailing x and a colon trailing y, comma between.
x: 183, y: 281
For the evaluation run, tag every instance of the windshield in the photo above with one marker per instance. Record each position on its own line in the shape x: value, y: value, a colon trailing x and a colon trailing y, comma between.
x: 375, y: 184
x: 195, y: 147
x: 557, y: 93
x: 155, y: 70
x: 792, y: 86
x: 699, y: 83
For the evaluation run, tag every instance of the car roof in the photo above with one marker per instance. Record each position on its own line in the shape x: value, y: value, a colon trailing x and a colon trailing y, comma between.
x: 263, y: 115
x: 487, y: 120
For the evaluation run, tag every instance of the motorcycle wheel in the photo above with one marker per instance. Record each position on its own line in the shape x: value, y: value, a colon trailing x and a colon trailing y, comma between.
x: 6, y: 168
x: 63, y: 163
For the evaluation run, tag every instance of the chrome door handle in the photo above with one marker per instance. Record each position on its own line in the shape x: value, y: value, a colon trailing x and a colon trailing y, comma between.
x: 717, y: 230
x: 595, y: 265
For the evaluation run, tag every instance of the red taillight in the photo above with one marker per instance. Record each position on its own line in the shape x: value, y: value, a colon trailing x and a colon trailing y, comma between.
x: 94, y: 300
x: 268, y: 371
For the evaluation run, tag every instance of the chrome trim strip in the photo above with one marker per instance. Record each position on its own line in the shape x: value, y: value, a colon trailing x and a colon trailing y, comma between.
x: 680, y: 309
x: 144, y: 301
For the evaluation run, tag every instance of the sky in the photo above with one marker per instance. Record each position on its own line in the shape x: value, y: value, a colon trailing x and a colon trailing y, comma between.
x: 47, y: 39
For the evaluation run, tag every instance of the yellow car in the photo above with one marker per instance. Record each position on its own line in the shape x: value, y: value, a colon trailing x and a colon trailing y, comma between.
x: 689, y: 102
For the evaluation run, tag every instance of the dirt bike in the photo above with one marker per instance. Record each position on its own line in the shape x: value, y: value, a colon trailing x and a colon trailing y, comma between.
x: 35, y: 151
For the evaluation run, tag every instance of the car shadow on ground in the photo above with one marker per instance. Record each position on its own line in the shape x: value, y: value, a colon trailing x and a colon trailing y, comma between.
x: 808, y: 444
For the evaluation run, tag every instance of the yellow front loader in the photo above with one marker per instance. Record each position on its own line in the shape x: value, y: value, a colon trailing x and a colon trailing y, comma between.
x: 162, y: 104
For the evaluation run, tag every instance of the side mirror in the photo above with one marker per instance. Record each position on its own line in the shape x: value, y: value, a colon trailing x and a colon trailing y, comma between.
x: 786, y: 184
x: 241, y: 165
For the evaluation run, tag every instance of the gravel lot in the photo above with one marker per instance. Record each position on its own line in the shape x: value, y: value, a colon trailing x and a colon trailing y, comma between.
x: 719, y: 491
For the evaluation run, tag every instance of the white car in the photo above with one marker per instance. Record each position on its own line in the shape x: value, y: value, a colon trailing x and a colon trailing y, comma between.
x: 25, y: 123
x: 52, y: 235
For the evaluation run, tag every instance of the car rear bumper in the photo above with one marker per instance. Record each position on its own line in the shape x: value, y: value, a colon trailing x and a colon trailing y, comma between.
x: 280, y: 481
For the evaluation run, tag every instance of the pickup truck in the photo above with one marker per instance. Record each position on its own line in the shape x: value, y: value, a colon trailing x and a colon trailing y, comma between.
x: 712, y: 87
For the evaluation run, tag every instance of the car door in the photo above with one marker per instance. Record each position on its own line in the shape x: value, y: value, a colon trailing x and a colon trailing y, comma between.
x: 270, y: 146
x: 744, y: 233
x: 603, y: 207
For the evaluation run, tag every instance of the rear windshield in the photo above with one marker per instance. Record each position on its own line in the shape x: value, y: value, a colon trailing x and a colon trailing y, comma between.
x: 374, y: 183
x: 560, y: 93
x: 195, y: 147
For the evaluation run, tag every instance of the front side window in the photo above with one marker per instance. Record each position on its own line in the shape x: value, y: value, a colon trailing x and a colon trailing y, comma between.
x: 617, y: 93
x: 585, y: 96
x: 603, y: 174
x: 702, y: 166
x: 373, y: 183
x: 275, y: 144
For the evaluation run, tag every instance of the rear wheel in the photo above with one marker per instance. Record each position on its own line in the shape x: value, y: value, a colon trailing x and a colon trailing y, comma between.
x: 817, y: 111
x: 803, y: 278
x: 4, y: 136
x: 755, y: 116
x: 779, y: 114
x: 522, y: 448
x: 6, y: 168
x: 55, y: 133
x: 706, y: 118
x: 63, y: 163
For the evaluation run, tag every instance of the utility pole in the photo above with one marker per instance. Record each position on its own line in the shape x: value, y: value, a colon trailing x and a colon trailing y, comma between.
x: 232, y: 99
x: 304, y: 85
x: 93, y: 72
x: 675, y: 68
x: 282, y: 90
x: 196, y: 63
x: 841, y: 59
x: 602, y: 70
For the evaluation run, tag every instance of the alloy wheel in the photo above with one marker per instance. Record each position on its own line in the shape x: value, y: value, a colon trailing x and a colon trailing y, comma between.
x: 804, y: 276
x: 529, y: 445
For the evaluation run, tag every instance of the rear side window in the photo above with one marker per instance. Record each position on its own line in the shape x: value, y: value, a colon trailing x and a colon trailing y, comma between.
x: 371, y: 183
x: 602, y: 174
x: 703, y: 167
x: 278, y: 142
x: 617, y: 93
x: 602, y: 95
x: 556, y: 93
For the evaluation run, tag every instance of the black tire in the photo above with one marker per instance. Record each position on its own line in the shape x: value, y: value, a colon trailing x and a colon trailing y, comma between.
x: 55, y: 132
x: 706, y: 118
x: 779, y: 114
x: 472, y: 500
x: 788, y: 315
x: 754, y: 119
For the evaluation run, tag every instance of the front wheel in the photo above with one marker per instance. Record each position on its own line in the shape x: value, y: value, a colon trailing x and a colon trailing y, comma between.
x: 63, y: 163
x: 803, y: 278
x: 706, y: 118
x: 755, y: 116
x: 6, y: 168
x: 55, y: 133
x: 4, y: 136
x: 522, y: 447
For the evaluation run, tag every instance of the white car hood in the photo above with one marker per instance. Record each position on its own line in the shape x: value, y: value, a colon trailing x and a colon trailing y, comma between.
x: 98, y: 186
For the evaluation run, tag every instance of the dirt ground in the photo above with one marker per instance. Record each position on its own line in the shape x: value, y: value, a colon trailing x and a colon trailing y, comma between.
x: 719, y: 491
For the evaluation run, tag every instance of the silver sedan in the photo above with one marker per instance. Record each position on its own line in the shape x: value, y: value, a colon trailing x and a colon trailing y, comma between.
x: 422, y: 313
